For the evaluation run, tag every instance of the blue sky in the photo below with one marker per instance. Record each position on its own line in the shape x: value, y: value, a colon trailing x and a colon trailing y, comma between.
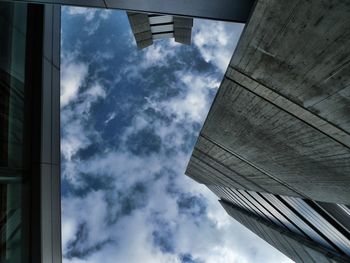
x: 129, y: 121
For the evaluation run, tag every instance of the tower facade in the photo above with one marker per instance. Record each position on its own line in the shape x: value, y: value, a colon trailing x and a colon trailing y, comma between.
x: 29, y: 133
x: 275, y: 147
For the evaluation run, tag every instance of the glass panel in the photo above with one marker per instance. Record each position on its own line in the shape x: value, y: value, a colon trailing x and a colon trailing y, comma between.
x: 320, y: 223
x: 296, y: 220
x: 338, y: 212
x: 275, y: 213
x: 12, y: 130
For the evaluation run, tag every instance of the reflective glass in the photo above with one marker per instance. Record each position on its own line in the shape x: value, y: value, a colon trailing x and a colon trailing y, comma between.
x: 320, y: 223
x: 13, y: 217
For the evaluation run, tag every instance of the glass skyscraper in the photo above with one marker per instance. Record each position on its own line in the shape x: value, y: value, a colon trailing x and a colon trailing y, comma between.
x: 29, y: 133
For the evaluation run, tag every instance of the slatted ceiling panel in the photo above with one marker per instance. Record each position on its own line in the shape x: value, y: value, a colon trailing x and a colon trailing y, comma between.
x: 320, y: 223
x: 160, y: 19
x: 164, y: 35
x: 162, y: 28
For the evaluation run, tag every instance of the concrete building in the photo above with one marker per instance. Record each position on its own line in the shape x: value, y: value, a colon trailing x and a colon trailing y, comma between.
x: 149, y: 27
x: 280, y: 123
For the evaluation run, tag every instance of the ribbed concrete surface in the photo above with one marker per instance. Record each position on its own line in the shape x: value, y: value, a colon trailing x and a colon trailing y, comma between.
x: 281, y: 119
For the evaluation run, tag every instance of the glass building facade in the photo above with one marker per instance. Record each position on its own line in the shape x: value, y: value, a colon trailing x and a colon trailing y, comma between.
x: 29, y: 189
x: 17, y: 128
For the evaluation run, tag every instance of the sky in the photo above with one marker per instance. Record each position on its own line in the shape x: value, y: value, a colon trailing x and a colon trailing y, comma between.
x: 129, y: 122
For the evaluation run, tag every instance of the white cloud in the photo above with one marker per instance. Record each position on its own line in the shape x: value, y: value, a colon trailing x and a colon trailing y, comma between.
x: 159, y: 53
x: 216, y: 40
x: 213, y: 237
x: 110, y: 117
x: 96, y: 91
x: 195, y: 104
x: 73, y: 75
x: 75, y: 118
x: 88, y: 13
x: 92, y: 16
x: 75, y: 136
x: 217, y: 238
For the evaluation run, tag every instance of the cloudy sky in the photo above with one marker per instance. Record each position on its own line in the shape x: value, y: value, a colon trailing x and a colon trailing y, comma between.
x: 129, y: 120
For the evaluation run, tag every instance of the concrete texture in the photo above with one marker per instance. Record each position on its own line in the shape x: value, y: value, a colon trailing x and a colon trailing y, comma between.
x: 148, y: 27
x: 281, y: 118
x: 183, y: 30
x: 141, y: 28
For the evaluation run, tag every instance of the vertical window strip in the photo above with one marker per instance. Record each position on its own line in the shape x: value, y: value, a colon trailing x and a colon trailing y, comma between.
x: 284, y: 221
x: 298, y: 221
x: 320, y: 223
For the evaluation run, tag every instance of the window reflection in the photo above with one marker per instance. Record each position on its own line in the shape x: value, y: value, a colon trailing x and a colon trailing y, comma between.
x: 12, y: 131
